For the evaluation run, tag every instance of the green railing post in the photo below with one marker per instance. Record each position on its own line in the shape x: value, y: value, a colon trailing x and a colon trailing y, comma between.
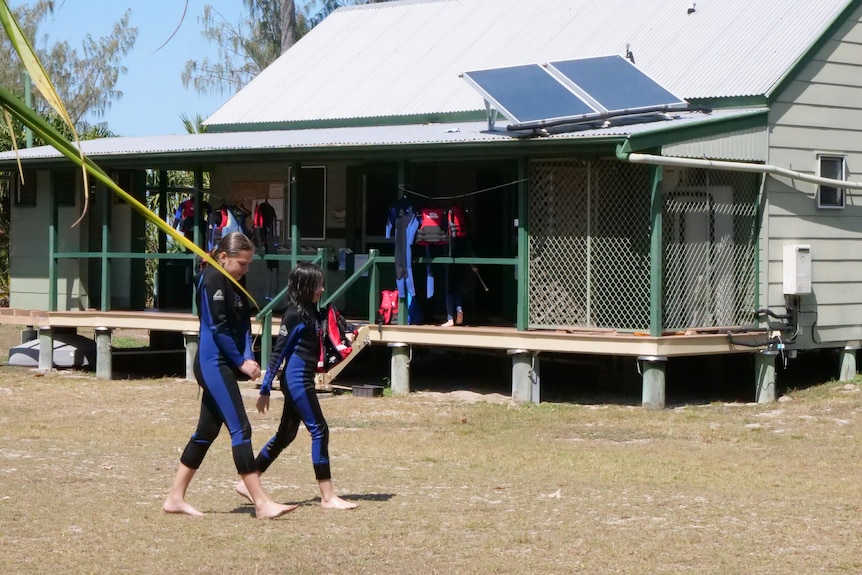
x: 52, y: 251
x: 105, y: 198
x: 656, y: 271
x: 523, y: 306
x: 373, y: 286
x: 294, y: 216
x: 265, y: 340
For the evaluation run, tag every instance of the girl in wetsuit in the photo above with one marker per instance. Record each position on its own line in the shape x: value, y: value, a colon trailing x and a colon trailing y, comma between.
x: 224, y: 352
x: 298, y: 345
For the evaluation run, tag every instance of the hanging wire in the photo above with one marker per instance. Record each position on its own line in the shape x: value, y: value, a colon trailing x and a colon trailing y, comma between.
x: 459, y: 196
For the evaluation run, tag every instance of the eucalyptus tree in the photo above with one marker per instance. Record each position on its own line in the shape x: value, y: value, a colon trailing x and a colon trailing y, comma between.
x: 85, y: 77
x: 266, y: 29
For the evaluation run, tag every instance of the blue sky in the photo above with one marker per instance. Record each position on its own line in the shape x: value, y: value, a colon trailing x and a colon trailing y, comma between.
x: 153, y: 93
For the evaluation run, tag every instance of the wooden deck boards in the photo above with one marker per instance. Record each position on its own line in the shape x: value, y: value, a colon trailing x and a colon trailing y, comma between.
x: 570, y: 340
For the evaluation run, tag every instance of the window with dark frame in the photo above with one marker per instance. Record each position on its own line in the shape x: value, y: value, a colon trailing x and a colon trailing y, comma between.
x: 311, y: 204
x: 835, y: 168
x: 25, y: 192
x: 64, y: 185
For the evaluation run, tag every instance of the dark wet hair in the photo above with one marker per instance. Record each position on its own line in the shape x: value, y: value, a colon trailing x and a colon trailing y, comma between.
x: 302, y: 283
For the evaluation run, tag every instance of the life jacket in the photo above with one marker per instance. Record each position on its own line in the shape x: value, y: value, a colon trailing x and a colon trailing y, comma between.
x: 456, y: 222
x: 388, y: 312
x: 433, y: 227
x: 334, y: 345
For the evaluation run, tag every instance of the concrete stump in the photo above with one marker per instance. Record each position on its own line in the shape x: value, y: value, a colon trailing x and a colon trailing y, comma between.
x: 46, y: 349
x: 523, y: 376
x: 104, y: 367
x: 191, y: 341
x: 653, y: 373
x: 764, y: 369
x: 848, y: 363
x: 400, y: 369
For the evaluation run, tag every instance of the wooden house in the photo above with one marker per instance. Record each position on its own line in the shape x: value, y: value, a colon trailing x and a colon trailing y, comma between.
x: 726, y: 225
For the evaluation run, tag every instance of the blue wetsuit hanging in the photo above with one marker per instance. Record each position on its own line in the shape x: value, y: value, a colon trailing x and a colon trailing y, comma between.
x: 403, y: 223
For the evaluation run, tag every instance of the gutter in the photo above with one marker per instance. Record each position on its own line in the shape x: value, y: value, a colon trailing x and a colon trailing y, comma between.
x: 652, y: 159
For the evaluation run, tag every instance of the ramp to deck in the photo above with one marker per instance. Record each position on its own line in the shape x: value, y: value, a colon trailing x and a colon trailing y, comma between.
x: 323, y: 381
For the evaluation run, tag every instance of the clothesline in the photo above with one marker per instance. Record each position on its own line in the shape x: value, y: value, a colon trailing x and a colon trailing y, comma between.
x: 459, y: 196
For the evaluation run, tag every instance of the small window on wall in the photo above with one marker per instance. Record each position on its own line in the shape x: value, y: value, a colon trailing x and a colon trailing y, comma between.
x: 311, y: 204
x: 64, y: 187
x: 835, y: 168
x: 25, y: 192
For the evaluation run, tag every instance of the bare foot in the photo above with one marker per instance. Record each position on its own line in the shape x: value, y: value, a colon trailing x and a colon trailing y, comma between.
x: 459, y: 317
x: 338, y: 503
x: 182, y: 507
x: 271, y: 510
x: 449, y: 323
x: 243, y: 490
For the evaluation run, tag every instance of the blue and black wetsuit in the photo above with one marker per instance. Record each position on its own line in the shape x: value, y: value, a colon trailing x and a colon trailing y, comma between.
x: 225, y: 343
x: 298, y: 345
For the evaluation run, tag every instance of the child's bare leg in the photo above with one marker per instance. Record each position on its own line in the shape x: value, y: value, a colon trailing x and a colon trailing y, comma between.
x: 176, y: 500
x: 328, y: 498
x: 264, y: 507
x: 243, y: 490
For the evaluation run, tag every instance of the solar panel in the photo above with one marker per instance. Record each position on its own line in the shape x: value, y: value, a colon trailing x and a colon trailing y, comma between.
x: 528, y: 93
x: 613, y: 84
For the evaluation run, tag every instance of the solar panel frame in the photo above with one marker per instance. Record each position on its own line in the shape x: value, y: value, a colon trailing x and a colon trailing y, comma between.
x: 613, y: 84
x: 521, y: 92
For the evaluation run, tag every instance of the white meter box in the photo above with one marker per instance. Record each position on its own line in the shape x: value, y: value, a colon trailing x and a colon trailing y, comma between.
x: 797, y: 269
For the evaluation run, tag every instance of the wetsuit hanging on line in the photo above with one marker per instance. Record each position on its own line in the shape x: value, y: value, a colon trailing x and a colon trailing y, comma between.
x: 403, y: 222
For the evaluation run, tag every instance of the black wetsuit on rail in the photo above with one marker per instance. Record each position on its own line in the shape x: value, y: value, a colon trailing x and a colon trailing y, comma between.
x: 225, y: 343
x: 298, y: 345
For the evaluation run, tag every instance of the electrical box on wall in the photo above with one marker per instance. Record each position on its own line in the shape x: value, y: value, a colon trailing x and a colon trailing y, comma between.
x: 797, y: 269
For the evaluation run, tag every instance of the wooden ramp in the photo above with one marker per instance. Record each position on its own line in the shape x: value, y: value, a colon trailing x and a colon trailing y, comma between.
x: 323, y: 381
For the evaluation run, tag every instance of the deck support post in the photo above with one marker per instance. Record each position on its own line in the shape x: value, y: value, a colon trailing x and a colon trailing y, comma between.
x: 399, y: 377
x: 848, y: 363
x: 525, y: 380
x: 191, y: 340
x: 764, y: 372
x: 46, y: 349
x: 29, y: 334
x: 653, y: 372
x: 103, y: 353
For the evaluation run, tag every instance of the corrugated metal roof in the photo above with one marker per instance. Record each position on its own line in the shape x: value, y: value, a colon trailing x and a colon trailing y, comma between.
x: 403, y: 58
x: 329, y: 138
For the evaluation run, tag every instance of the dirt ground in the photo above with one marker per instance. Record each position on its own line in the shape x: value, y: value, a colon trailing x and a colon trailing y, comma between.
x: 452, y: 479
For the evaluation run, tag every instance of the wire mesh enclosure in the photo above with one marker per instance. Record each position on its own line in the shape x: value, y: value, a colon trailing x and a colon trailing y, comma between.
x: 709, y: 239
x: 589, y: 244
x: 589, y: 260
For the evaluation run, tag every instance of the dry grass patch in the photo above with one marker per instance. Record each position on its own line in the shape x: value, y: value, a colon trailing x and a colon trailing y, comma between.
x: 445, y: 485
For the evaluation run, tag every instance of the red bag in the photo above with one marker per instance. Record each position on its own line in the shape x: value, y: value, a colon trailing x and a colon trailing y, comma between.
x: 388, y: 312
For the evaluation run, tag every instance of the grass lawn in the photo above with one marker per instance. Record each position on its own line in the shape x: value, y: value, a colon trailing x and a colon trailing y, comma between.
x: 446, y: 485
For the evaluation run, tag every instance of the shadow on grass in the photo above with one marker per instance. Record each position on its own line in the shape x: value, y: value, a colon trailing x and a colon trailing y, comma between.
x: 248, y: 508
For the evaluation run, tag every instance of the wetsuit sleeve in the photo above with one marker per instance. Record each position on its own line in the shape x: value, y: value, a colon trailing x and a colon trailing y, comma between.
x: 249, y: 347
x: 215, y: 293
x: 289, y: 335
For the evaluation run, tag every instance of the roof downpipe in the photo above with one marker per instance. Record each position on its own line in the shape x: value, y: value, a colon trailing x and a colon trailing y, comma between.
x: 652, y: 159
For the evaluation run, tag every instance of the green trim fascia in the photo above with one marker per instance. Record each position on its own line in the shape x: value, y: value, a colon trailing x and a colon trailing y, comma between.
x: 714, y: 127
x: 486, y: 150
x: 725, y: 102
x: 808, y: 55
x: 433, y: 118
